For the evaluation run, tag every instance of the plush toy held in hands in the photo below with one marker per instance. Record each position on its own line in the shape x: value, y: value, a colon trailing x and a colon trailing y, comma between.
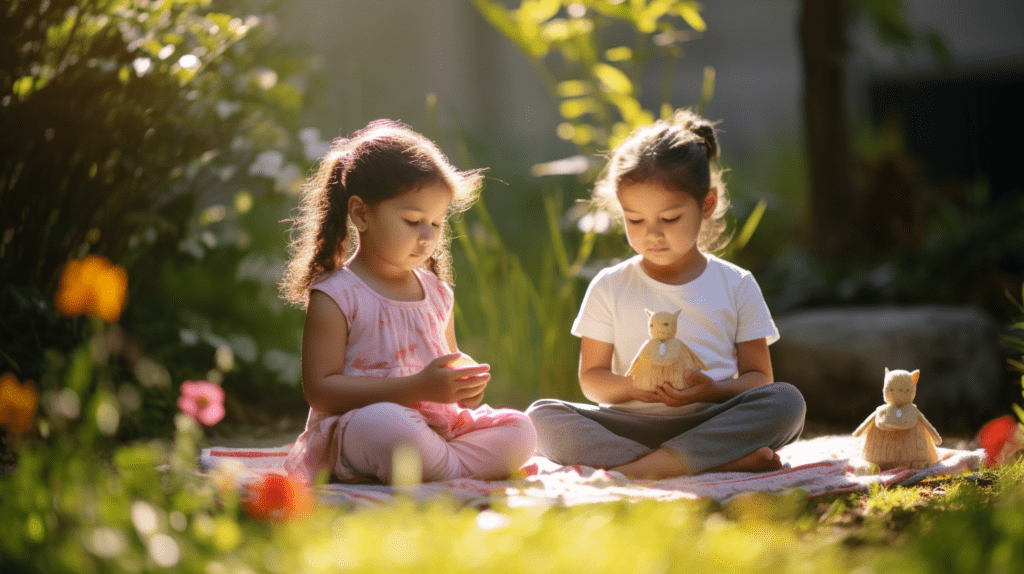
x: 663, y: 358
x: 897, y: 434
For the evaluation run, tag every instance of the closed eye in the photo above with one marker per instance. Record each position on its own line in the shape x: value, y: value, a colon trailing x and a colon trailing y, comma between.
x: 670, y: 220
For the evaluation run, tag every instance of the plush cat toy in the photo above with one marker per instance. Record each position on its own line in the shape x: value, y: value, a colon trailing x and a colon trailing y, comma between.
x: 663, y: 357
x: 897, y: 434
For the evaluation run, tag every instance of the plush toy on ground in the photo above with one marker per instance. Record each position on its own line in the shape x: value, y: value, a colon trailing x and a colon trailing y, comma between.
x: 897, y: 434
x: 663, y: 358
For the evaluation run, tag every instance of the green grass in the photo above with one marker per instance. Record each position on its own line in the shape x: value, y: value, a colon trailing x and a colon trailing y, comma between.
x: 91, y: 517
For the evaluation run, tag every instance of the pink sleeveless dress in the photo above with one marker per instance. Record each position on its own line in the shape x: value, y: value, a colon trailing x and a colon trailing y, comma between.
x: 386, y: 338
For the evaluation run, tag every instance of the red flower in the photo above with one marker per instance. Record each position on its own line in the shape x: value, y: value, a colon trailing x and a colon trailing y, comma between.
x: 277, y: 497
x: 202, y: 401
x: 1001, y: 439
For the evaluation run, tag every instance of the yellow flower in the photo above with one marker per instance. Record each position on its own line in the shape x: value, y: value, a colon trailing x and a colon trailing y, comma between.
x: 17, y: 404
x: 92, y: 286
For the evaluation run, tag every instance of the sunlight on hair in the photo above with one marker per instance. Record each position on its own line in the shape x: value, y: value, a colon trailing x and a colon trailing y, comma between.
x: 598, y: 222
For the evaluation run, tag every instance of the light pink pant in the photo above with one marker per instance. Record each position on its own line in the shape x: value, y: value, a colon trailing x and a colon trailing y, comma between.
x: 493, y: 453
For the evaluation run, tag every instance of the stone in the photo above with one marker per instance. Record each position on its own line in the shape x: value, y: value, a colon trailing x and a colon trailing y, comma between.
x: 837, y: 358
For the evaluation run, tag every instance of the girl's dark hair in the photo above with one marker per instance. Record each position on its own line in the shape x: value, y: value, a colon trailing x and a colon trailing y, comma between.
x: 381, y: 161
x: 680, y: 154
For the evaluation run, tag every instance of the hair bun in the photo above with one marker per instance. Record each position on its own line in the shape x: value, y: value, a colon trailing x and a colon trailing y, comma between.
x: 700, y: 127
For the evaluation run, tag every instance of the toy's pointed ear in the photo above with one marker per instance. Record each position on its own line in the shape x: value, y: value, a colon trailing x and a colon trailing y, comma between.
x: 915, y: 375
x: 649, y: 313
x: 887, y: 371
x: 676, y: 314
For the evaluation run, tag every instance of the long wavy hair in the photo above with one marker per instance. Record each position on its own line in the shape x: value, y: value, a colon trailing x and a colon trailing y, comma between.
x: 383, y: 160
x: 680, y: 153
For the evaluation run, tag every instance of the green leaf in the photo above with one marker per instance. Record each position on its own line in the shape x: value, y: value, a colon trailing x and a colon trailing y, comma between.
x: 576, y: 107
x: 1017, y: 365
x: 690, y: 11
x: 751, y: 224
x: 618, y: 54
x: 539, y: 10
x: 572, y: 88
x: 289, y: 96
x: 22, y: 87
x: 500, y: 18
x: 613, y: 79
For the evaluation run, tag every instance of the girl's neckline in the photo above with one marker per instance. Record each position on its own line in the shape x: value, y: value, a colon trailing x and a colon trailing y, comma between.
x: 691, y: 278
x: 708, y: 258
x: 382, y: 297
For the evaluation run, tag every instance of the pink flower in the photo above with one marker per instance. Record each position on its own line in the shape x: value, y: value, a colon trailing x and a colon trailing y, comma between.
x: 1001, y: 439
x: 203, y: 401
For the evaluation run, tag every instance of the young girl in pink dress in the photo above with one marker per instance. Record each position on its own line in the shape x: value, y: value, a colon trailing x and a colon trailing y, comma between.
x: 380, y: 364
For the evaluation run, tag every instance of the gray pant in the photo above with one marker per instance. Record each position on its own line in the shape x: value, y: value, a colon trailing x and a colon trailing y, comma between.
x: 573, y: 433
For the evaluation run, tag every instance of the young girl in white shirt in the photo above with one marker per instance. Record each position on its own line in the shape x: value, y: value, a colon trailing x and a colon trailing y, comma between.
x: 732, y: 416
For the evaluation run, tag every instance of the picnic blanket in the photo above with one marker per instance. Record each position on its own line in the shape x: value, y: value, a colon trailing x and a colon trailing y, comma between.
x: 818, y: 466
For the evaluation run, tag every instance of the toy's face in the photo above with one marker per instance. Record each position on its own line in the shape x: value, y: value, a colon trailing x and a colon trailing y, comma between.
x: 662, y: 325
x: 900, y: 388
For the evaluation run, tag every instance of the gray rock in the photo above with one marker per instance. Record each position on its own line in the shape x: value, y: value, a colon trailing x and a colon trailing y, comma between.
x: 837, y: 357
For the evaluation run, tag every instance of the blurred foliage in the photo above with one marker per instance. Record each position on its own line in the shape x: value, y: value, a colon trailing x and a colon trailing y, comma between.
x: 893, y: 29
x: 591, y: 55
x: 161, y: 135
x: 923, y: 241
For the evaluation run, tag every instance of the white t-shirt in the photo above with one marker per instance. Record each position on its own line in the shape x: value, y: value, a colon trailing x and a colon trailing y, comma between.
x: 720, y: 308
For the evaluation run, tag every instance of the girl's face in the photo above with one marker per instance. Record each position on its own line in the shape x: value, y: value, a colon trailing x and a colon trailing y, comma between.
x: 400, y: 233
x: 663, y: 224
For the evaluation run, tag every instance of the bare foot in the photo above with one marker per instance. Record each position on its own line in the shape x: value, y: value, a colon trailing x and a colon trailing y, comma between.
x: 653, y: 466
x: 763, y: 459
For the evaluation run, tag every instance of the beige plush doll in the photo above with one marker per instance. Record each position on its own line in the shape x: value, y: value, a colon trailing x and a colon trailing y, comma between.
x: 897, y: 434
x: 663, y: 358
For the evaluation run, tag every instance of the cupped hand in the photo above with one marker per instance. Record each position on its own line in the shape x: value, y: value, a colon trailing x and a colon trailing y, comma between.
x: 644, y: 396
x: 701, y: 389
x: 442, y: 383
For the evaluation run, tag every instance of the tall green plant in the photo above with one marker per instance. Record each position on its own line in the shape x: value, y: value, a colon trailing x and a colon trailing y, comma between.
x: 590, y: 55
x: 517, y: 318
x: 1015, y: 343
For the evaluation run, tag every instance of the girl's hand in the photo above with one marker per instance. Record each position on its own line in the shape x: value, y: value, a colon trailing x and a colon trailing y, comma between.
x: 644, y: 396
x: 460, y: 363
x: 701, y: 389
x: 443, y: 384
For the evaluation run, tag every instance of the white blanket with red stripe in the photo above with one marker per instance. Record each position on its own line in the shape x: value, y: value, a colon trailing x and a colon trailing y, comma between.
x: 824, y: 465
